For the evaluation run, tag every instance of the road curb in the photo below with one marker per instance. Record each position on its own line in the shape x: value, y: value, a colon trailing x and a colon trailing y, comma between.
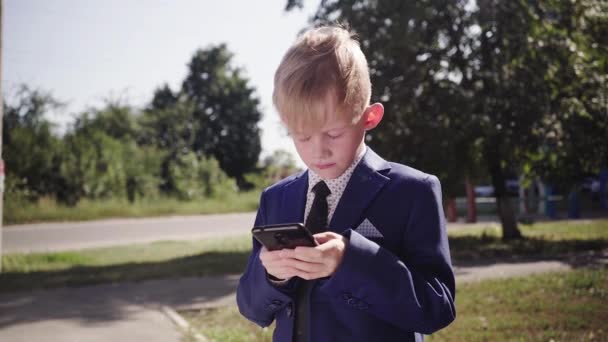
x: 182, y: 324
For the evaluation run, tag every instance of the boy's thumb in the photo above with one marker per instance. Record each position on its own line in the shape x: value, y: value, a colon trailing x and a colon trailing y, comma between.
x: 325, y: 236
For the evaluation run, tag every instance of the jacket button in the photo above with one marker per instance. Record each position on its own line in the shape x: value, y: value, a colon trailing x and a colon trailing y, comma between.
x: 289, y: 310
x: 352, y: 301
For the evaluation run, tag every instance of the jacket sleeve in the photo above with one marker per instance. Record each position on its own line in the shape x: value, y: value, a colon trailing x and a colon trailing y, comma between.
x: 416, y: 292
x: 257, y: 298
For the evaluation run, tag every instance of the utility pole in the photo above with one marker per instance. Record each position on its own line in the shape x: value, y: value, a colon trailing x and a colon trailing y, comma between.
x: 1, y: 121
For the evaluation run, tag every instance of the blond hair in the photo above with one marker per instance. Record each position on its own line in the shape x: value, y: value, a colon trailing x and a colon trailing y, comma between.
x: 324, y: 64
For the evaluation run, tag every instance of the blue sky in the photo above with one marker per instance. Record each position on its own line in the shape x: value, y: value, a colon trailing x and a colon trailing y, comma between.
x: 85, y: 51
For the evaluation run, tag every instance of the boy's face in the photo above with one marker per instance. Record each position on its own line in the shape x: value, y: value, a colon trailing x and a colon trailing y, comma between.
x: 332, y: 148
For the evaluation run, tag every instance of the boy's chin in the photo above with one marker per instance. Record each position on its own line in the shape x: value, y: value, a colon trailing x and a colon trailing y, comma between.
x: 330, y: 172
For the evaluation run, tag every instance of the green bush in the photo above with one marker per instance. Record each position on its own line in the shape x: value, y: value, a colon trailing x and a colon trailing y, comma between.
x: 196, y: 177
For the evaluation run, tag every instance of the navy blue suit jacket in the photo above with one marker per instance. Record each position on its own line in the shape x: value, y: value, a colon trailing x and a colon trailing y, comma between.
x: 390, y: 288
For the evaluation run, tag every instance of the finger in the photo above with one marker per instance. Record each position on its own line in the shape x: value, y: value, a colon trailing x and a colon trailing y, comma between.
x: 334, y: 244
x: 326, y: 236
x: 294, y: 253
x: 270, y: 255
x: 287, y: 253
x: 284, y: 272
x: 309, y: 254
x: 311, y: 275
x: 275, y: 262
x: 292, y: 271
x: 304, y: 266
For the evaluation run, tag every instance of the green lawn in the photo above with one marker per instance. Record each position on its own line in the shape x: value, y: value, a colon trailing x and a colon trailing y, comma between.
x: 47, y: 210
x: 542, y: 240
x: 172, y: 259
x: 159, y: 260
x: 567, y: 306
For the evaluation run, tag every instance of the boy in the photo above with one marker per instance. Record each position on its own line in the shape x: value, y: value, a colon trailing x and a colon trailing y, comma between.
x: 382, y: 269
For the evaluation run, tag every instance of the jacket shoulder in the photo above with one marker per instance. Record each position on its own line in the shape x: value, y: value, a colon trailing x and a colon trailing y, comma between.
x: 283, y: 183
x: 407, y: 175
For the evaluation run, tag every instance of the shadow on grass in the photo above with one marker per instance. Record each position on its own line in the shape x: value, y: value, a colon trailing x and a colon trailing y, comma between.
x: 193, y: 280
x: 465, y: 250
x: 204, y: 264
x: 487, y: 250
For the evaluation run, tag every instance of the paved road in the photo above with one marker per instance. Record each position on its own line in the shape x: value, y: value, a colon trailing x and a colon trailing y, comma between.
x: 63, y: 236
x: 109, y: 312
x: 77, y: 235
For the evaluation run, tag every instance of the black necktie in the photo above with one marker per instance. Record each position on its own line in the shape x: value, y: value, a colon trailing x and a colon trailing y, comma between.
x: 316, y: 222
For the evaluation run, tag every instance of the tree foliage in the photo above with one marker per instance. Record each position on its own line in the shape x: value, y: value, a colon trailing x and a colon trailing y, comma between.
x: 226, y: 112
x: 30, y: 149
x: 191, y: 144
x: 485, y: 87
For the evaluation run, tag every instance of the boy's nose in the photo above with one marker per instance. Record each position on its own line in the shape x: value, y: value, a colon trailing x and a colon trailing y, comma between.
x: 320, y: 149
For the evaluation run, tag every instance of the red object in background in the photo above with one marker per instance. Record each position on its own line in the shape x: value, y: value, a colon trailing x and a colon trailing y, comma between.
x: 1, y: 167
x: 471, y: 205
x: 451, y: 213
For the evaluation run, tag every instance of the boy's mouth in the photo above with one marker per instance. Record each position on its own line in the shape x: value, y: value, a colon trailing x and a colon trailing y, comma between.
x: 324, y: 166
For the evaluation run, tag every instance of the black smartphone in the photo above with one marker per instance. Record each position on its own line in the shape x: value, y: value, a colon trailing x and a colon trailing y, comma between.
x: 279, y: 236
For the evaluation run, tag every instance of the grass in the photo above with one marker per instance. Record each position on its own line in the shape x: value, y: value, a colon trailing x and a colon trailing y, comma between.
x: 159, y: 260
x: 47, y: 210
x: 552, y: 307
x: 169, y: 259
x: 542, y: 240
x: 567, y: 306
x: 225, y: 324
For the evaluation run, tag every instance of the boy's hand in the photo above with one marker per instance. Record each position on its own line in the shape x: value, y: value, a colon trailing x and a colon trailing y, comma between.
x: 315, y: 262
x: 276, y: 265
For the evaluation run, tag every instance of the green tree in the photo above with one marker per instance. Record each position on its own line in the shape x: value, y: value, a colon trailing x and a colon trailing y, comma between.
x: 468, y: 84
x: 226, y: 112
x: 93, y: 166
x: 170, y: 128
x: 31, y: 150
x: 416, y: 52
x: 103, y: 160
x: 572, y: 40
x: 114, y: 119
x: 163, y: 98
x: 540, y: 84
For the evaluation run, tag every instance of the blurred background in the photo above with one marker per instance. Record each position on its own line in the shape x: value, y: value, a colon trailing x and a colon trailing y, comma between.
x: 153, y: 108
x: 137, y: 101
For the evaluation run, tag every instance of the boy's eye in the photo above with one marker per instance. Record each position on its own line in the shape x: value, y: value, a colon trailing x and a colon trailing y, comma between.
x: 335, y: 135
x: 303, y: 139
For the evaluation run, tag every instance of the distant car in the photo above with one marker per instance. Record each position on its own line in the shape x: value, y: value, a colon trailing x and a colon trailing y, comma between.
x: 484, y: 191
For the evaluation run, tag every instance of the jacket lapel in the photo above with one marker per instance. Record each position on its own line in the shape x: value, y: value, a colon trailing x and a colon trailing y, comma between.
x: 293, y: 201
x: 362, y: 188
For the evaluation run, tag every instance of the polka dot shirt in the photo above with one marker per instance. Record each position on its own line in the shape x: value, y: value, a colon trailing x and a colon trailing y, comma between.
x: 336, y: 186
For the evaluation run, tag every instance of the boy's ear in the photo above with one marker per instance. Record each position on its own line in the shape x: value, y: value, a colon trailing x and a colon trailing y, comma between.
x: 372, y: 116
